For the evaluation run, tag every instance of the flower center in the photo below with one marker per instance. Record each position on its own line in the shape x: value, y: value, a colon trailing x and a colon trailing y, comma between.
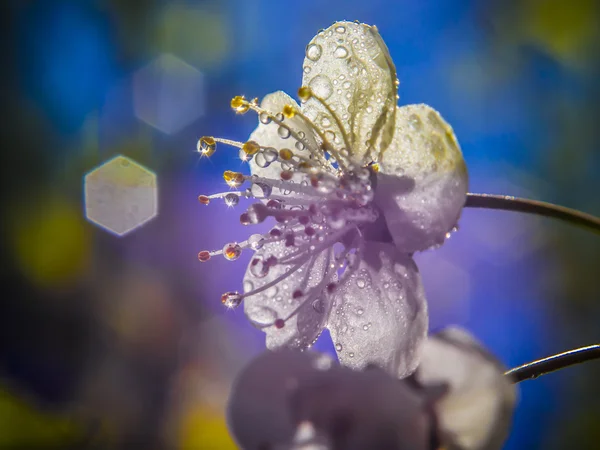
x: 320, y: 198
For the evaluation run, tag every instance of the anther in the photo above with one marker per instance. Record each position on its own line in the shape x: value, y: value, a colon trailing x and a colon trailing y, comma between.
x: 286, y: 175
x: 250, y: 148
x: 331, y: 287
x: 244, y: 219
x: 279, y: 324
x: 289, y: 111
x: 285, y: 154
x: 297, y: 294
x: 206, y: 146
x: 309, y: 231
x: 304, y: 93
x: 290, y: 240
x: 239, y: 104
x: 275, y: 232
x: 204, y: 199
x: 203, y: 256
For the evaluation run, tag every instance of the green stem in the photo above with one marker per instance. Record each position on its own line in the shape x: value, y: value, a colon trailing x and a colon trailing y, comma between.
x: 509, y: 203
x: 552, y: 363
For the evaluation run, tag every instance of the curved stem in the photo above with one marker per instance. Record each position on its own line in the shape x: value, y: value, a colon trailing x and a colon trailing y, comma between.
x: 509, y: 203
x: 552, y: 363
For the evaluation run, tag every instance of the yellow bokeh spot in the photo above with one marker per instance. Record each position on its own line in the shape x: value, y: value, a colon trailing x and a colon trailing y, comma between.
x: 203, y: 427
x: 22, y: 426
x: 51, y: 243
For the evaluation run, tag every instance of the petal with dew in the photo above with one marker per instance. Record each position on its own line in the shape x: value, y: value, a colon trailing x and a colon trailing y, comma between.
x: 477, y: 411
x: 422, y: 180
x: 267, y: 135
x: 348, y: 67
x: 258, y: 410
x: 274, y: 279
x: 379, y: 314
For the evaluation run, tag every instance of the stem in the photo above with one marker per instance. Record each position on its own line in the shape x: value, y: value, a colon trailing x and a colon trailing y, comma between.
x: 509, y: 203
x: 552, y: 363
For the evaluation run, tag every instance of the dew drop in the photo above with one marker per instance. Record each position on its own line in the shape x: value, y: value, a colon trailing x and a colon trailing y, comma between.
x: 272, y: 291
x: 319, y: 306
x: 361, y: 283
x: 313, y: 52
x: 341, y: 29
x: 264, y: 118
x: 283, y: 132
x: 248, y: 286
x: 270, y: 153
x: 321, y: 86
x: 232, y: 251
x: 347, y: 85
x: 351, y: 355
x: 360, y: 311
x: 415, y: 122
x: 258, y: 267
x: 256, y: 241
x: 338, y: 347
x: 232, y: 199
x: 231, y: 299
x: 340, y: 52
x: 325, y: 122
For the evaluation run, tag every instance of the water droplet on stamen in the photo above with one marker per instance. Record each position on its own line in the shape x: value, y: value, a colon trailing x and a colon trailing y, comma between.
x: 231, y: 299
x: 232, y: 199
x: 264, y: 118
x: 256, y: 241
x: 232, y: 251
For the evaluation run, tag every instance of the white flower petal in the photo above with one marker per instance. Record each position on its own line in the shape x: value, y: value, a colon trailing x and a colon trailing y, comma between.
x: 349, y: 67
x: 303, y: 317
x: 266, y: 135
x: 422, y: 181
x: 380, y: 313
x: 477, y: 411
x: 258, y: 411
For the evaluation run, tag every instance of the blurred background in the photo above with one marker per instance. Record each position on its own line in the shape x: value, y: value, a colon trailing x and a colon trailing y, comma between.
x: 112, y: 333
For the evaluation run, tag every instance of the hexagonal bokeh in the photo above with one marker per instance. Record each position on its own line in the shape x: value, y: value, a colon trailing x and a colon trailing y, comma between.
x: 168, y: 93
x: 120, y: 195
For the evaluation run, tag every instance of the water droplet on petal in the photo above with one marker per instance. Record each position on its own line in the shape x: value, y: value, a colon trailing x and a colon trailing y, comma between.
x: 319, y: 306
x: 341, y: 29
x: 283, y: 132
x: 232, y: 199
x: 338, y: 347
x: 248, y: 285
x: 360, y: 282
x: 313, y: 52
x: 360, y: 311
x: 340, y: 52
x: 321, y: 86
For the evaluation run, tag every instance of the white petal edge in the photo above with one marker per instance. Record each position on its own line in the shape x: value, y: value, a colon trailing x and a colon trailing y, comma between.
x: 477, y: 411
x: 379, y: 315
x: 422, y: 181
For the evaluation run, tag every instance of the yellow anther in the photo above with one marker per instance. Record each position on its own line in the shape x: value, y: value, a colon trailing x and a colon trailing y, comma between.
x: 304, y: 93
x: 239, y: 104
x: 375, y: 167
x: 206, y: 146
x: 228, y: 175
x: 285, y: 154
x: 250, y: 148
x: 289, y: 111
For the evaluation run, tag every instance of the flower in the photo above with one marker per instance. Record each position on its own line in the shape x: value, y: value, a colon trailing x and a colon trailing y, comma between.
x: 356, y: 185
x: 476, y: 412
x: 292, y: 400
x: 459, y: 398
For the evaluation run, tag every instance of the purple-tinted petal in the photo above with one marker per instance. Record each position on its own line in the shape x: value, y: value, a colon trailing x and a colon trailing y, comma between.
x: 477, y: 411
x: 379, y: 314
x: 363, y: 410
x: 288, y: 318
x: 349, y: 67
x: 422, y: 180
x: 258, y: 413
